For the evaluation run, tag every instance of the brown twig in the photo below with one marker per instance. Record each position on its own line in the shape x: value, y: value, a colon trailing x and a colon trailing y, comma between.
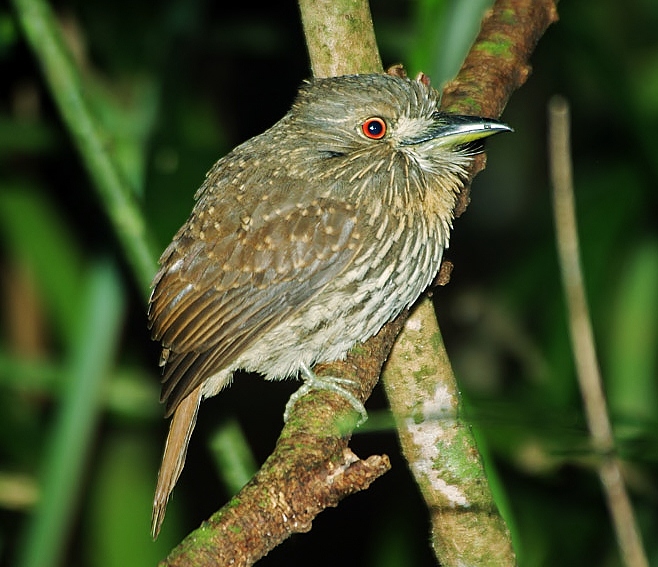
x: 497, y: 64
x: 582, y: 339
x: 311, y: 467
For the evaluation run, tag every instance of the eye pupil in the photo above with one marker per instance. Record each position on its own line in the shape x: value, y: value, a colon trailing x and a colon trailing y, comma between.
x: 374, y: 128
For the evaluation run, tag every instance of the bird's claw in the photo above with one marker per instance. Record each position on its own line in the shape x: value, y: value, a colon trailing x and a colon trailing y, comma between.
x: 332, y: 383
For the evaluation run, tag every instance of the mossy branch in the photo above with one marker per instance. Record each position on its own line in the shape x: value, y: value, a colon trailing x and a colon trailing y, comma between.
x: 340, y: 37
x: 440, y: 449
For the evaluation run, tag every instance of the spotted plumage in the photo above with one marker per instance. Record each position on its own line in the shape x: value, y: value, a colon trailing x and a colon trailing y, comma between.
x: 306, y: 240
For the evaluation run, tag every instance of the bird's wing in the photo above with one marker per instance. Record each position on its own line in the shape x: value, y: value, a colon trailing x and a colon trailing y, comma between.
x: 221, y: 288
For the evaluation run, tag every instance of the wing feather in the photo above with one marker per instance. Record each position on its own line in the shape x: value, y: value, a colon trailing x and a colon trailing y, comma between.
x: 223, y: 284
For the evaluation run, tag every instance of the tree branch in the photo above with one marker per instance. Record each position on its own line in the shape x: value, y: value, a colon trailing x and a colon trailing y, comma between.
x: 340, y: 37
x: 440, y: 449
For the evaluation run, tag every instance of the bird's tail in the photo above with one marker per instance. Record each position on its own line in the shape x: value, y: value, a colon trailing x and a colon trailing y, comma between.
x: 180, y: 430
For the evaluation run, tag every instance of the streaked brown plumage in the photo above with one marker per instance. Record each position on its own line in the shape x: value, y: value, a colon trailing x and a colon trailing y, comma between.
x: 306, y: 240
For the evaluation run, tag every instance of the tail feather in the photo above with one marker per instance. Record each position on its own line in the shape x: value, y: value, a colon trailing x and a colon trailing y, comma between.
x: 180, y: 430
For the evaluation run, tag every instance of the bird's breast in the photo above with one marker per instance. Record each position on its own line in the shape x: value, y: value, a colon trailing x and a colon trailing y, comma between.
x: 393, y: 267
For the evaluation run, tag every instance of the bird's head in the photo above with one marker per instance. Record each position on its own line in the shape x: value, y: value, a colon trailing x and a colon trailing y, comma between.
x: 358, y: 126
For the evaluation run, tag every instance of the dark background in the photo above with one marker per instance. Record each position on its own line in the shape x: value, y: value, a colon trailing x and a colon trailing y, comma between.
x: 179, y: 83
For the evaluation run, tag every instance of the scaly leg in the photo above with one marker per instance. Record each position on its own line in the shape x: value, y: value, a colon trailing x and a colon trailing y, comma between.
x: 331, y: 383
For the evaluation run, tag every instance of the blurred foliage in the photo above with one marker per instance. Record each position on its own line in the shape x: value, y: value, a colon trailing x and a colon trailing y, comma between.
x: 176, y: 85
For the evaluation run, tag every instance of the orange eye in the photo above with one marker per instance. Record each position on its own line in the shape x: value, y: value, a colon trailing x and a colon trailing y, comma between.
x: 374, y: 128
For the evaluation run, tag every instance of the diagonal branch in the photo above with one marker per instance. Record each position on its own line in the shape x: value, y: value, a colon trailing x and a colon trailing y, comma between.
x: 312, y: 467
x: 44, y: 36
x: 497, y: 64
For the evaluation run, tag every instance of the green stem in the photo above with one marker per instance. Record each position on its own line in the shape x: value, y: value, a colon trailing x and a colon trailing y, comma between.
x: 69, y: 446
x: 44, y: 36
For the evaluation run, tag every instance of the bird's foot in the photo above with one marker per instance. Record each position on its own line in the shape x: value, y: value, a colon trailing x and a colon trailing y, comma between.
x: 332, y: 383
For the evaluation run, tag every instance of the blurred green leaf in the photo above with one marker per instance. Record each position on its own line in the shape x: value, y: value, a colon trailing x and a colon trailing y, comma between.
x: 133, y: 394
x: 120, y: 506
x: 631, y: 353
x: 130, y: 393
x: 102, y: 310
x: 36, y: 235
x: 233, y: 457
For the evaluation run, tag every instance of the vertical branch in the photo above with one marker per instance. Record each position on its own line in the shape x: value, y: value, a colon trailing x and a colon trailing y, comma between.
x: 340, y: 37
x: 582, y: 338
x: 439, y: 446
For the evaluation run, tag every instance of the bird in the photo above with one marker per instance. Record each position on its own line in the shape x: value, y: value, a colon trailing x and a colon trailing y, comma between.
x: 305, y: 240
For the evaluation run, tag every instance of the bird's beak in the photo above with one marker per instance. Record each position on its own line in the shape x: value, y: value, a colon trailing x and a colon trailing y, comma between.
x: 457, y: 130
